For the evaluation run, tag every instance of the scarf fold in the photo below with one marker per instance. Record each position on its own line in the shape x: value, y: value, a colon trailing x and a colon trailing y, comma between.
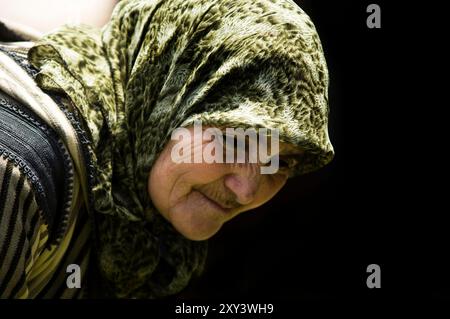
x: 162, y: 64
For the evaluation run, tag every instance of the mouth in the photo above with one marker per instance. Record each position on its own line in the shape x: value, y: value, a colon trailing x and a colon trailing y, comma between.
x: 213, y: 203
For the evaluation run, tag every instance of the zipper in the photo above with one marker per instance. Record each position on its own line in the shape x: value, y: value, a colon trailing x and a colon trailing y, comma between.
x: 19, y: 55
x: 60, y: 219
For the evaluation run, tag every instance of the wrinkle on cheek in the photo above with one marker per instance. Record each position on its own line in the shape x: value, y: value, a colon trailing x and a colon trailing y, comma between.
x: 270, y: 186
x: 277, y: 181
x: 179, y: 190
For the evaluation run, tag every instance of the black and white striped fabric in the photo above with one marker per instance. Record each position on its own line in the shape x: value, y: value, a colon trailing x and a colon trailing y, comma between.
x: 44, y: 224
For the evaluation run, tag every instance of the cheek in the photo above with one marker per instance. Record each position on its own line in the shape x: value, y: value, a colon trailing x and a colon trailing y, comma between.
x: 277, y: 182
x: 186, y: 176
x: 173, y: 197
x: 270, y: 186
x: 158, y: 188
x: 170, y: 183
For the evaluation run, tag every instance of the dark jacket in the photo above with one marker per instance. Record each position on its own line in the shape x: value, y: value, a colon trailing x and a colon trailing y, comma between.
x: 43, y: 229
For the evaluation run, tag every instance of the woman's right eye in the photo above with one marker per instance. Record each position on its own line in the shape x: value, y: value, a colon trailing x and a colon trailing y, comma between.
x: 287, y: 162
x: 283, y: 163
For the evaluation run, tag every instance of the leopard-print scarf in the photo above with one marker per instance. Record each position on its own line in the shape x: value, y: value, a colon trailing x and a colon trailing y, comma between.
x: 161, y: 64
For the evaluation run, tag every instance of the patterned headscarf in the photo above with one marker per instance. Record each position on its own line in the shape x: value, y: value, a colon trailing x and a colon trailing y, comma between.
x: 162, y: 64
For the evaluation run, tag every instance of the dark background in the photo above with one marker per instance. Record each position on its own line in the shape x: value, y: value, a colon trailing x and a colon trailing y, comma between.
x: 382, y: 200
x: 315, y: 239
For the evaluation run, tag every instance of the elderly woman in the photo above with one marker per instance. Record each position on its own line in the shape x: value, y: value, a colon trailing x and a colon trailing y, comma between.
x: 87, y: 173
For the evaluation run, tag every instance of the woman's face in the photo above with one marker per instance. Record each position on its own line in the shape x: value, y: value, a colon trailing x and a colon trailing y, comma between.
x: 198, y: 198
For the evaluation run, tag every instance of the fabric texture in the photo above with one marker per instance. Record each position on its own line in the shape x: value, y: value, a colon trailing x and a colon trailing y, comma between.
x: 162, y: 64
x: 45, y: 158
x: 39, y: 238
x: 32, y: 265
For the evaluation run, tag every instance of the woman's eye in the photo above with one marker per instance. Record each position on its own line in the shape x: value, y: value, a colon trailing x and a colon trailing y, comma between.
x: 283, y: 163
x: 287, y: 162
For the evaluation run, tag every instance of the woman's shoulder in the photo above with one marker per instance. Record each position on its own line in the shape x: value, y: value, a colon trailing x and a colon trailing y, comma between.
x: 36, y: 155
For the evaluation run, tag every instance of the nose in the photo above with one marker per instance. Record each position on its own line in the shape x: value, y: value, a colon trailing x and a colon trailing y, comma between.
x: 244, y: 186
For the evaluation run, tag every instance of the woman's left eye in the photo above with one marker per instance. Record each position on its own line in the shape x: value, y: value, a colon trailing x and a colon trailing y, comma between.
x: 286, y: 162
x: 283, y: 163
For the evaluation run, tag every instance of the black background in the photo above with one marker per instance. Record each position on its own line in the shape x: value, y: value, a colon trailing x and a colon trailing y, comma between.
x: 315, y: 239
x: 382, y: 200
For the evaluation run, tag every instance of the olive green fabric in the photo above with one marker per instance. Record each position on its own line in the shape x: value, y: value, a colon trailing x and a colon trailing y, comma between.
x: 159, y: 65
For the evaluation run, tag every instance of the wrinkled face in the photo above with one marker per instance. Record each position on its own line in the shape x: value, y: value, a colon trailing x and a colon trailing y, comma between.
x: 198, y: 198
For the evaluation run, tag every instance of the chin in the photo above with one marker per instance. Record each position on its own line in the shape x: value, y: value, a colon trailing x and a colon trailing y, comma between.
x: 195, y: 226
x: 196, y: 235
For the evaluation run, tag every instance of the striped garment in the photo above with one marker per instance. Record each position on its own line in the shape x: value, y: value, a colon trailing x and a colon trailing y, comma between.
x: 44, y: 224
x: 29, y: 267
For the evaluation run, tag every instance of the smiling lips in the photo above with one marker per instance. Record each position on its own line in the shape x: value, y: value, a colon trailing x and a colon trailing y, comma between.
x: 223, y: 208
